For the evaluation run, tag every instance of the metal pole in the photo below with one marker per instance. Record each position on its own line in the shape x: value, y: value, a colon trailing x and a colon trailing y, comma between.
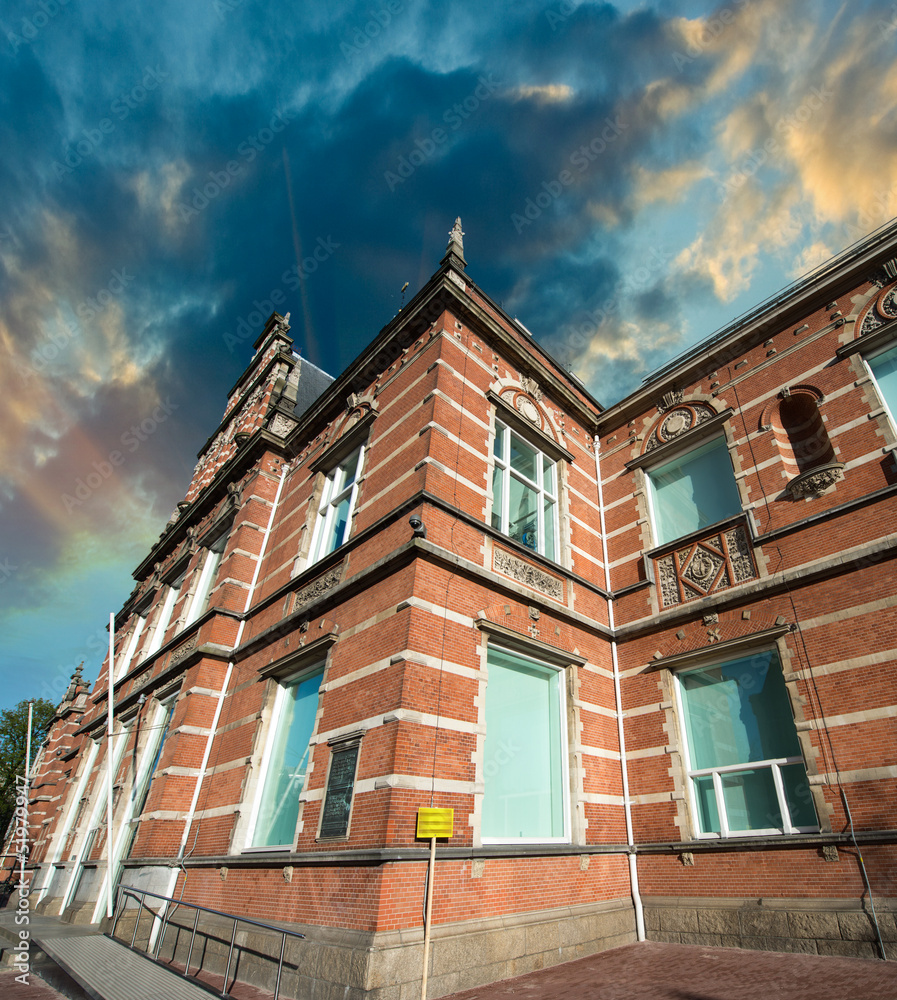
x: 430, y: 873
x: 233, y: 938
x: 109, y: 676
x: 137, y: 921
x: 283, y: 945
x: 192, y: 939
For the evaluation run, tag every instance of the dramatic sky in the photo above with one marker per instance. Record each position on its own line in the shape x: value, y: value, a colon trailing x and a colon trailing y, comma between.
x: 630, y: 177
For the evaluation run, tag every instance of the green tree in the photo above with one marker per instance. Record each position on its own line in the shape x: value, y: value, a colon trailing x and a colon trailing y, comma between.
x: 13, y: 744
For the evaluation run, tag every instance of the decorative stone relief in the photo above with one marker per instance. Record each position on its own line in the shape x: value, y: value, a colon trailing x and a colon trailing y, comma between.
x: 677, y: 421
x: 705, y: 567
x: 527, y: 574
x: 882, y: 311
x: 814, y: 483
x: 531, y: 388
x: 669, y: 399
x: 316, y: 588
x: 183, y: 650
x: 528, y: 408
x: 281, y: 424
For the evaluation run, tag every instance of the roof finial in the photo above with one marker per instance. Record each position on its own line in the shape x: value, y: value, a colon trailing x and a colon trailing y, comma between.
x: 455, y: 249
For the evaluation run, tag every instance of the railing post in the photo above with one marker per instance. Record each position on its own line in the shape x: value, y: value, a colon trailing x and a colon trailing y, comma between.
x: 283, y: 945
x: 233, y: 938
x: 161, y: 937
x: 118, y: 893
x: 137, y: 921
x: 192, y: 939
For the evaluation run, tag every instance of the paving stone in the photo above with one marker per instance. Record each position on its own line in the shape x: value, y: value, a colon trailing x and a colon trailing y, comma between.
x: 653, y: 971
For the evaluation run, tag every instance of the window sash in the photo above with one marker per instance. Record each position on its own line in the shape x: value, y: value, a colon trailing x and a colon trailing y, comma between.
x: 286, y: 762
x: 883, y: 368
x: 337, y: 505
x: 745, y: 769
x: 525, y: 798
x: 204, y: 586
x: 692, y: 491
x: 164, y: 619
x: 524, y: 493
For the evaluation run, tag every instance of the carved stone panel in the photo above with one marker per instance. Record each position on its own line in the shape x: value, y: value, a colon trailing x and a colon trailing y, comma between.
x: 715, y: 563
x: 677, y: 421
x: 527, y: 574
x: 316, y: 588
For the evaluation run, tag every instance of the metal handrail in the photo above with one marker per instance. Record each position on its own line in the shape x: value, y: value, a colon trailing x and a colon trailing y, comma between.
x: 127, y: 890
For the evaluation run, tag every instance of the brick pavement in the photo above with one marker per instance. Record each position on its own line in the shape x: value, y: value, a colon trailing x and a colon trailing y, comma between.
x: 651, y: 971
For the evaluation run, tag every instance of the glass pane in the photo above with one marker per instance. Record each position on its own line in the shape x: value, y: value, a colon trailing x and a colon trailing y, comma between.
x: 522, y: 517
x: 523, y: 768
x: 797, y: 795
x: 498, y: 446
x: 693, y: 490
x: 279, y: 806
x: 523, y: 458
x: 751, y: 800
x: 548, y: 476
x: 497, y: 493
x: 339, y: 520
x: 548, y: 537
x: 738, y: 712
x: 705, y: 800
x: 884, y: 367
x: 347, y: 471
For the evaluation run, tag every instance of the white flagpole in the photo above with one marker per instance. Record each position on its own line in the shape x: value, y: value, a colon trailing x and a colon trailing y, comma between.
x: 109, y: 679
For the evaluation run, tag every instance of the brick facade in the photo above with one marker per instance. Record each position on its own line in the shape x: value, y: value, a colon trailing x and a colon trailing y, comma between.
x: 413, y: 583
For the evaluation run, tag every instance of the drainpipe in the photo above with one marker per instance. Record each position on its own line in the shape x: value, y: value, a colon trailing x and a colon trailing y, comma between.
x: 227, y: 676
x: 627, y: 804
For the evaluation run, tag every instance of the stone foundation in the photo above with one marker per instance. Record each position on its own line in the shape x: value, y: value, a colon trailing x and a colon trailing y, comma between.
x: 815, y: 927
x: 335, y: 964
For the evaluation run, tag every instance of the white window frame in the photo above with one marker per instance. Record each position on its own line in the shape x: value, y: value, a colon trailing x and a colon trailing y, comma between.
x: 772, y: 764
x: 563, y: 749
x: 200, y: 600
x: 868, y: 359
x: 334, y: 492
x: 283, y: 685
x: 124, y: 661
x: 550, y: 492
x: 164, y: 619
x: 678, y: 455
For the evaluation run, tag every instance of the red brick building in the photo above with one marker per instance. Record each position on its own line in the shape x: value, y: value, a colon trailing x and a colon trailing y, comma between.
x: 646, y: 654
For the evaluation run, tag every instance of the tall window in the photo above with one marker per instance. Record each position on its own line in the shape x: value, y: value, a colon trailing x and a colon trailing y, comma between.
x: 693, y: 490
x: 524, y: 770
x: 884, y: 371
x: 124, y: 661
x: 164, y: 619
x: 524, y: 493
x: 206, y: 580
x: 286, y: 762
x: 337, y: 504
x: 745, y: 767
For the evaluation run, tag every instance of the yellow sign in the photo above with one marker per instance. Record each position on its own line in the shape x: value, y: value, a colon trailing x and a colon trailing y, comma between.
x: 435, y: 822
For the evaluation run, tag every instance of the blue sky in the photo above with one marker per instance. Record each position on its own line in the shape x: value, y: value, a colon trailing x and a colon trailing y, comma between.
x: 630, y: 177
